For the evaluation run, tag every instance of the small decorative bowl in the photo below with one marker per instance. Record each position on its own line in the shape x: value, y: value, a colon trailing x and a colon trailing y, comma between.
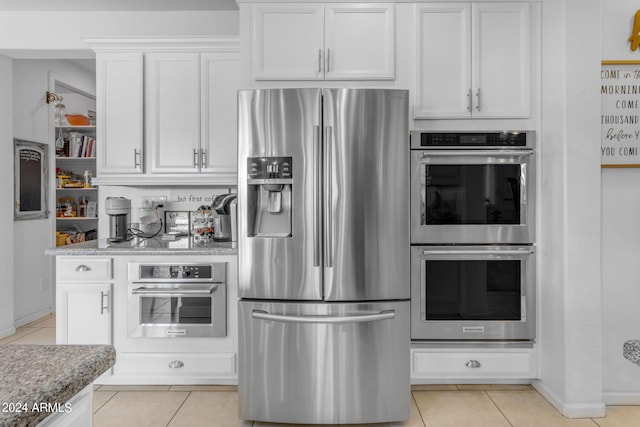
x: 77, y: 120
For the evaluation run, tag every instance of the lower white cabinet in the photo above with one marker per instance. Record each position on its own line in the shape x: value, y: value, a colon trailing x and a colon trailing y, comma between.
x: 177, y: 368
x: 84, y: 313
x: 449, y: 364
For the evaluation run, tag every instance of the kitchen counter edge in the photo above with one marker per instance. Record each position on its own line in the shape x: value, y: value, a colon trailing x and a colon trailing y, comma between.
x: 100, y: 248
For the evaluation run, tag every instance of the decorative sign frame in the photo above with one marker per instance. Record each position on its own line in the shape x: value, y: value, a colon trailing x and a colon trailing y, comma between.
x: 31, y: 179
x: 620, y: 114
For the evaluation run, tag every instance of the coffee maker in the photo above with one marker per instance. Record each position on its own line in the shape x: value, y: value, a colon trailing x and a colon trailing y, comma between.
x: 119, y: 211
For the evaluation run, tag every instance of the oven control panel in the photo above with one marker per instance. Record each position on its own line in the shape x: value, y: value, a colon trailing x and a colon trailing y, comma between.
x: 168, y: 272
x: 512, y: 139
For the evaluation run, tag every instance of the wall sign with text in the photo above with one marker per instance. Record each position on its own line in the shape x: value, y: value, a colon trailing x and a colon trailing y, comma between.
x: 620, y: 116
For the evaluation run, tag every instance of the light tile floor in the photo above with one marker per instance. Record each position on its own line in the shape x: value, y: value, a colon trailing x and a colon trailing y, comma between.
x: 217, y: 406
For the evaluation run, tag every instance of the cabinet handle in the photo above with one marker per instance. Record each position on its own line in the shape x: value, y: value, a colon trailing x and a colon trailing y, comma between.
x: 469, y: 101
x: 328, y: 60
x: 174, y: 364
x: 203, y: 158
x: 319, y: 60
x: 478, y: 96
x: 136, y: 158
x: 472, y: 364
x: 104, y: 306
x: 195, y: 158
x: 83, y: 267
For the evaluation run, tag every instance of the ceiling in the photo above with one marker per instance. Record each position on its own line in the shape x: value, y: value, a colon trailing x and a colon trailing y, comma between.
x: 115, y: 5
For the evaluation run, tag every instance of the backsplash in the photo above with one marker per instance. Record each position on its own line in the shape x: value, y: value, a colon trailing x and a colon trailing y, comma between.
x: 178, y: 199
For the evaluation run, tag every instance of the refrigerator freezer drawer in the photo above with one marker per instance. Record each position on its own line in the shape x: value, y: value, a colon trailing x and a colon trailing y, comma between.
x: 324, y: 363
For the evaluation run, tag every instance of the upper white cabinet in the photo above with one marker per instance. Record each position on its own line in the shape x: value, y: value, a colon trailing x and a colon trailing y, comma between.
x: 169, y: 111
x: 172, y: 113
x: 474, y: 60
x: 119, y: 109
x: 315, y: 41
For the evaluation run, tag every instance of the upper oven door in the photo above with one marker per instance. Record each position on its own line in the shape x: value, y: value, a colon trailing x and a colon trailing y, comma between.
x: 473, y: 196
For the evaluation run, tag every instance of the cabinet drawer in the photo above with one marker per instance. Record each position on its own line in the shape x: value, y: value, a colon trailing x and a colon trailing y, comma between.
x: 483, y: 365
x: 176, y: 365
x: 83, y: 269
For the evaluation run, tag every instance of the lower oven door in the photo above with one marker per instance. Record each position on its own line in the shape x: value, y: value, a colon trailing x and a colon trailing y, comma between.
x: 176, y: 310
x: 473, y: 293
x: 324, y: 363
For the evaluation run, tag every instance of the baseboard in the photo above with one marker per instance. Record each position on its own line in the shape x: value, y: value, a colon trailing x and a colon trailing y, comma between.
x: 33, y: 317
x: 616, y: 399
x: 570, y: 410
x: 7, y: 332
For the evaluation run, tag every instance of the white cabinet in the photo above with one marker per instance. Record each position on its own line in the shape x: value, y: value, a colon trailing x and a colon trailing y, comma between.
x: 84, y: 296
x: 473, y: 60
x: 314, y: 41
x: 460, y: 364
x: 172, y: 113
x: 172, y: 120
x: 119, y: 111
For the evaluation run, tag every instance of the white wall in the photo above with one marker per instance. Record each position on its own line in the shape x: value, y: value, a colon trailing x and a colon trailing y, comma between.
x: 6, y: 194
x: 570, y: 294
x: 63, y: 30
x: 32, y: 117
x: 620, y: 237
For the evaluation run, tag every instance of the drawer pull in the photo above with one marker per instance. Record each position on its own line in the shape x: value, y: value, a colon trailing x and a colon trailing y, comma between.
x: 175, y: 364
x: 83, y: 267
x: 472, y: 364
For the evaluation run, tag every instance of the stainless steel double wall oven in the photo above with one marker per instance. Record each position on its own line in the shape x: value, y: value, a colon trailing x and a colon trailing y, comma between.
x: 472, y: 235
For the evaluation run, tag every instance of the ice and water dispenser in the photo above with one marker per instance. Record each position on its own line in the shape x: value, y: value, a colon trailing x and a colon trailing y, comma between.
x: 270, y: 181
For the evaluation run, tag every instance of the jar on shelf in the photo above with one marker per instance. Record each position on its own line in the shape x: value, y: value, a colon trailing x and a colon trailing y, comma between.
x: 87, y: 179
x: 82, y: 206
x: 68, y: 207
x: 59, y: 118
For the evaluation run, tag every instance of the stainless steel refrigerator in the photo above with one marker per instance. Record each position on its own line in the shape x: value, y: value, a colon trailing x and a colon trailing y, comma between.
x: 323, y: 241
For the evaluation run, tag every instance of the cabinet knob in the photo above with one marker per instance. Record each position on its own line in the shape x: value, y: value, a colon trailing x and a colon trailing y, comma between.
x: 472, y: 364
x: 174, y: 364
x: 83, y: 267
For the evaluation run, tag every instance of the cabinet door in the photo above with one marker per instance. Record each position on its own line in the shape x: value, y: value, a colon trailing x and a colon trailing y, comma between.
x: 501, y: 60
x: 119, y: 78
x: 220, y: 83
x: 443, y: 73
x: 172, y: 94
x: 84, y: 314
x: 359, y: 41
x: 288, y: 41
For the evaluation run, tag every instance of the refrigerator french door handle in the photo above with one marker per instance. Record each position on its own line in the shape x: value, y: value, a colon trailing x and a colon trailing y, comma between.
x: 317, y: 200
x: 328, y: 237
x: 358, y: 318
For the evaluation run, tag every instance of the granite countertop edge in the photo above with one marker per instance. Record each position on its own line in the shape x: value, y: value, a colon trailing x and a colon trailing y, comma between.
x: 47, y: 375
x: 95, y: 248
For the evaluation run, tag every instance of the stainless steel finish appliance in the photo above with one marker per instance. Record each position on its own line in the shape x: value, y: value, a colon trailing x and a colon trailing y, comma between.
x: 324, y: 271
x: 176, y: 300
x: 473, y: 187
x: 119, y: 211
x: 484, y: 292
x: 223, y: 223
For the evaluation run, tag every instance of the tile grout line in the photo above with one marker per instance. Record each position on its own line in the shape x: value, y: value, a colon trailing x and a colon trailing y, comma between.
x: 413, y: 398
x: 498, y: 408
x: 179, y: 407
x: 94, y: 412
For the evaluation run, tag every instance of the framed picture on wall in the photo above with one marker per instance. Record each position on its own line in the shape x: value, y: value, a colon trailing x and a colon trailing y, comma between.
x: 31, y: 179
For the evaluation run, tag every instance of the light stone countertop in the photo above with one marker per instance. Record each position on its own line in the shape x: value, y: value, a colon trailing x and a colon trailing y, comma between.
x: 35, y: 375
x: 156, y: 246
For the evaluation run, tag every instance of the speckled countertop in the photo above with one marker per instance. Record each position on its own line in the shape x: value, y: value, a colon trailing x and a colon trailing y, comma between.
x: 156, y: 246
x: 46, y: 374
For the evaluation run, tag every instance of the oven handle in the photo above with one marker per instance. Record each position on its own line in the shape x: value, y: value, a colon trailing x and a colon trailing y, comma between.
x: 483, y: 153
x: 477, y: 252
x: 174, y: 292
x: 383, y: 315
